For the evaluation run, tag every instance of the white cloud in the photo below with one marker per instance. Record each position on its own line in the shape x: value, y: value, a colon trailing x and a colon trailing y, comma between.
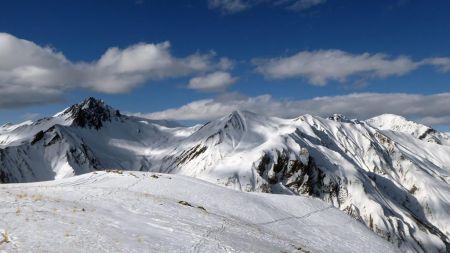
x: 120, y: 70
x: 225, y: 63
x: 213, y: 82
x: 428, y: 109
x: 235, y: 6
x: 300, y: 5
x: 442, y: 63
x: 32, y: 116
x: 229, y: 6
x: 12, y: 96
x: 31, y: 74
x: 321, y: 66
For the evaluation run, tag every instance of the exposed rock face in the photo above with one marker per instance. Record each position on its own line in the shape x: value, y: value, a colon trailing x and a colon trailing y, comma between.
x: 303, y: 178
x: 91, y: 113
x: 338, y: 118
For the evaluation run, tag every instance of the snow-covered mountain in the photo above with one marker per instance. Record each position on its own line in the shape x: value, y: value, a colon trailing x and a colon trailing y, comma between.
x: 400, y: 124
x: 146, y: 212
x: 388, y: 173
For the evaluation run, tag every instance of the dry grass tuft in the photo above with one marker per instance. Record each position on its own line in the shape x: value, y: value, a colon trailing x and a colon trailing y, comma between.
x: 5, y: 237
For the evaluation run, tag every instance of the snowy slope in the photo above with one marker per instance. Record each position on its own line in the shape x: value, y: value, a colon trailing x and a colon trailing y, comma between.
x: 388, y: 173
x: 143, y: 212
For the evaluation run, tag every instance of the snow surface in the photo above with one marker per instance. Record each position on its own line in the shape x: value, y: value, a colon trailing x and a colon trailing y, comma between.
x: 142, y: 212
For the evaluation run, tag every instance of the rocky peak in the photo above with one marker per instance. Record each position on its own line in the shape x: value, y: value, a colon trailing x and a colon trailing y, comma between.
x: 236, y: 120
x: 6, y: 125
x: 339, y: 118
x: 91, y: 113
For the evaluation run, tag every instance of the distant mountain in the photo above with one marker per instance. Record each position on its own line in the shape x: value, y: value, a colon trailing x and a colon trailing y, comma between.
x: 388, y: 173
x: 400, y: 124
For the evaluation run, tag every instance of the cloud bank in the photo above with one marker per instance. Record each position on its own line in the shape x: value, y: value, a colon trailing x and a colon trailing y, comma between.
x: 31, y: 74
x: 427, y: 109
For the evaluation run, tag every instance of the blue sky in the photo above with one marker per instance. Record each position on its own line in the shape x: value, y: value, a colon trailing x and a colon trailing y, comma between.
x: 260, y: 55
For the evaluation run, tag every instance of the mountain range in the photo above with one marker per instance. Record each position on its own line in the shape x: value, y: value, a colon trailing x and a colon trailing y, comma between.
x: 388, y: 173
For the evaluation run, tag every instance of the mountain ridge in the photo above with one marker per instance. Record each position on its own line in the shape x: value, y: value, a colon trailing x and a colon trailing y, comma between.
x: 379, y: 171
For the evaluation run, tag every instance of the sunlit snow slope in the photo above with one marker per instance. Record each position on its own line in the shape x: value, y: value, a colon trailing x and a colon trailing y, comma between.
x: 389, y: 173
x: 144, y: 212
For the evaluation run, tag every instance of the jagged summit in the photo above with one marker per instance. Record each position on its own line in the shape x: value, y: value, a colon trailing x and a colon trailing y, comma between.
x: 240, y: 121
x: 236, y: 120
x: 91, y: 112
x: 339, y: 118
x: 243, y: 114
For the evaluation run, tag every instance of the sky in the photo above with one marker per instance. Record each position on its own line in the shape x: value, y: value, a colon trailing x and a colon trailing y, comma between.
x: 198, y: 60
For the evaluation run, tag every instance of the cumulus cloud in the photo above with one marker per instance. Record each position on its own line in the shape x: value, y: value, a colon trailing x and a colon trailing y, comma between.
x: 213, y: 82
x: 120, y: 70
x: 31, y: 74
x: 427, y: 109
x: 321, y: 66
